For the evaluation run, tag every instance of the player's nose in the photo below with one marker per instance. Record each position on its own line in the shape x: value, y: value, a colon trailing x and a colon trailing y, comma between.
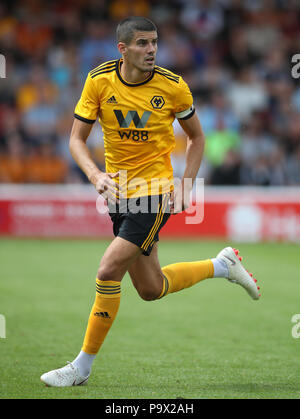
x: 151, y: 49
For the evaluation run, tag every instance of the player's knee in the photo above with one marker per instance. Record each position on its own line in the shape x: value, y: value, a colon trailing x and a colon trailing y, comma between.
x: 150, y: 294
x: 107, y: 273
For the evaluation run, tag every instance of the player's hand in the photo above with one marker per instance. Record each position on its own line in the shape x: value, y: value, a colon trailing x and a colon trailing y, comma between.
x: 179, y: 198
x: 107, y: 187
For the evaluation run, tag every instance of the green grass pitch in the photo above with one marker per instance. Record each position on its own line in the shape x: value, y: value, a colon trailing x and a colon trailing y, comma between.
x: 209, y: 341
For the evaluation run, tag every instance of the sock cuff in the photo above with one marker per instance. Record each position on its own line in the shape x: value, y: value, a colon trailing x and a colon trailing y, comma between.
x: 211, y: 269
x: 220, y: 268
x: 165, y: 288
x: 108, y: 289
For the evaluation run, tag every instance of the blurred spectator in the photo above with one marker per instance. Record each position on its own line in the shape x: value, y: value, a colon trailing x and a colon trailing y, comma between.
x: 246, y: 94
x: 13, y: 162
x: 34, y: 32
x: 45, y: 166
x: 255, y: 141
x: 40, y: 120
x: 204, y: 18
x: 293, y: 168
x: 239, y: 54
x: 98, y: 45
x: 266, y: 170
x: 212, y: 76
x: 235, y: 55
x: 218, y: 143
x: 228, y: 173
x: 221, y: 137
x: 263, y: 30
x: 277, y: 167
x: 291, y: 138
x: 216, y: 113
x: 174, y: 48
x: 120, y: 9
x: 36, y: 87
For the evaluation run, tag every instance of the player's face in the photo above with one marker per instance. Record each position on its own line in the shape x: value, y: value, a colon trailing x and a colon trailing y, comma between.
x: 141, y: 52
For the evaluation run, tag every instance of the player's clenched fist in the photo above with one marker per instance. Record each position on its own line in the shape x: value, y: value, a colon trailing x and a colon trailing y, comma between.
x: 180, y: 197
x: 106, y: 186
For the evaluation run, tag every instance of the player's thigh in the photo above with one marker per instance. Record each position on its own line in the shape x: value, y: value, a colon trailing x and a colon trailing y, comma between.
x: 117, y: 258
x: 146, y: 275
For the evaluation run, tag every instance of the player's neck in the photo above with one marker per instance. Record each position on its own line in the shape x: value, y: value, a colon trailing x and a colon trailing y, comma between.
x: 132, y: 74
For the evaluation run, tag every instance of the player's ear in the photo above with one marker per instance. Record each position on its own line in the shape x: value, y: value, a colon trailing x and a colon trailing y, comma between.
x: 122, y: 48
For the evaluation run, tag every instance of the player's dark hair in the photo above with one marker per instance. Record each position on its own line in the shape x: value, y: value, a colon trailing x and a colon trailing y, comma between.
x: 127, y: 27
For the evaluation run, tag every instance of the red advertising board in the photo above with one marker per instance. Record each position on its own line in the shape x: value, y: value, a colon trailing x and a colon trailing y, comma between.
x: 241, y: 214
x: 58, y: 211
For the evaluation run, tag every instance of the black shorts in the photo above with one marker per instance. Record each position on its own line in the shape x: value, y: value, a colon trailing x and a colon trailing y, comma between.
x: 139, y: 220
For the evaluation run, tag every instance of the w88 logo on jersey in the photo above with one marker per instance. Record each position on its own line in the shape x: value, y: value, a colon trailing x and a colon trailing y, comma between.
x: 134, y: 135
x: 132, y: 117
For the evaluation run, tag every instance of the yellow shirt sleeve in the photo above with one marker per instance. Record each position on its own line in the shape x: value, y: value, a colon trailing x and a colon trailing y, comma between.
x: 88, y: 106
x: 184, y: 101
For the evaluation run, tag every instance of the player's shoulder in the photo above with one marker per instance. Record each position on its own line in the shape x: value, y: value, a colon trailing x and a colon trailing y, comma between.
x: 104, y: 68
x: 168, y: 75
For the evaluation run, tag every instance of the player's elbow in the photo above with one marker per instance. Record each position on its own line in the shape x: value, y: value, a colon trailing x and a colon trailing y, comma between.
x: 197, y: 141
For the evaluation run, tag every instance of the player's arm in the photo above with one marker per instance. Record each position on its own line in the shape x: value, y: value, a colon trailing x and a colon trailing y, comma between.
x: 194, y: 155
x: 195, y: 146
x: 86, y: 113
x: 103, y: 182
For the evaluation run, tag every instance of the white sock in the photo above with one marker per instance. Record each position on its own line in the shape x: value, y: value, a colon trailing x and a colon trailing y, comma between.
x: 84, y: 363
x: 220, y: 268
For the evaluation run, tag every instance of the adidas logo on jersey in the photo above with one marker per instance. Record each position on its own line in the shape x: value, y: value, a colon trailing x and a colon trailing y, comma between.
x: 112, y: 100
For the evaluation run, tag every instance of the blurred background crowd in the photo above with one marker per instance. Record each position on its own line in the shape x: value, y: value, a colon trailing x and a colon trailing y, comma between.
x: 234, y: 54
